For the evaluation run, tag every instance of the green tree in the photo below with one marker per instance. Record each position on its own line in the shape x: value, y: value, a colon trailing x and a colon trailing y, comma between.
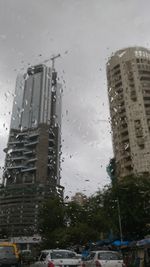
x: 81, y: 233
x: 80, y: 229
x: 62, y: 224
x: 133, y: 194
x: 51, y: 220
x: 96, y: 215
x: 75, y: 213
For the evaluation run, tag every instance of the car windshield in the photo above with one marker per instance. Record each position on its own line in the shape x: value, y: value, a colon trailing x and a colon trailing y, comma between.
x: 7, y: 252
x: 74, y: 127
x: 62, y: 255
x: 109, y: 256
x: 43, y: 256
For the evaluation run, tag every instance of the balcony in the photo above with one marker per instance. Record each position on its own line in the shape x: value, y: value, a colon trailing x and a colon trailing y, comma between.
x: 15, y: 167
x: 120, y: 97
x: 32, y: 160
x: 30, y: 169
x: 34, y: 143
x: 28, y: 152
x: 124, y: 130
x: 121, y: 110
x: 117, y: 72
x: 33, y: 135
x: 18, y: 135
x: 51, y: 140
x: 140, y: 141
x: 14, y: 150
x: 146, y: 100
x: 147, y: 112
x: 125, y: 138
x: 51, y: 149
x: 117, y: 78
x: 116, y: 67
x: 16, y: 142
x: 119, y: 90
x: 16, y: 158
x: 144, y: 72
x: 122, y: 114
x: 51, y: 157
x: 118, y: 84
x: 144, y: 78
x: 128, y: 164
x: 51, y: 143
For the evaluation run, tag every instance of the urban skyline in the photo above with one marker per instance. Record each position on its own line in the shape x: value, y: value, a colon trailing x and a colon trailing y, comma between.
x: 85, y: 33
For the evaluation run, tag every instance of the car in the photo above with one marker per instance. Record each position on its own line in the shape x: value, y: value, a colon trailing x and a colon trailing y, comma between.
x: 57, y: 258
x: 78, y: 256
x: 9, y: 255
x: 103, y: 258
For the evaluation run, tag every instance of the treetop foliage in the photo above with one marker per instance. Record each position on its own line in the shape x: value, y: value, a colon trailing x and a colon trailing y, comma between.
x: 62, y: 224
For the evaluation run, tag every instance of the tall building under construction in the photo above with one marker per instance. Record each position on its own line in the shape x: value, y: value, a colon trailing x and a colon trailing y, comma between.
x: 128, y: 76
x: 32, y: 164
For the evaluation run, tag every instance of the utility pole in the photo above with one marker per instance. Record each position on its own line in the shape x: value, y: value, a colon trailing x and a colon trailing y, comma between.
x: 119, y: 219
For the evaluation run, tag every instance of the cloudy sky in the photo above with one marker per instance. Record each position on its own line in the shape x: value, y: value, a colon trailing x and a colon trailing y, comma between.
x: 85, y: 33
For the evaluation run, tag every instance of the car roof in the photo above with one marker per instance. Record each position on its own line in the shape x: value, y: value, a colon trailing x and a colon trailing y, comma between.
x: 56, y: 250
x: 104, y: 251
x: 6, y: 244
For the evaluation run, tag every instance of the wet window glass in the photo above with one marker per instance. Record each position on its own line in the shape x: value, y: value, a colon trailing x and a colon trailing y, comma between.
x: 62, y: 255
x: 75, y: 127
x: 109, y: 256
x: 43, y: 256
x: 6, y: 251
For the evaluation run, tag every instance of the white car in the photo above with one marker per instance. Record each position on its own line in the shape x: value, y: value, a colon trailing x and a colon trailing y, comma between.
x: 103, y: 258
x: 57, y: 258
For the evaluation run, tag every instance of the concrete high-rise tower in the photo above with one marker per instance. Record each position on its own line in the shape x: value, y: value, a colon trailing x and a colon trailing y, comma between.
x: 33, y: 151
x: 128, y: 76
x: 32, y: 164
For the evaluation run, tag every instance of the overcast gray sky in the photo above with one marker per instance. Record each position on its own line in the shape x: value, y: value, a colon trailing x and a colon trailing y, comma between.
x: 85, y: 33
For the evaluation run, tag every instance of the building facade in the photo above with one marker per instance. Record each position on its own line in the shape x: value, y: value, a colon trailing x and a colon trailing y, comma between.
x: 32, y: 164
x: 128, y: 76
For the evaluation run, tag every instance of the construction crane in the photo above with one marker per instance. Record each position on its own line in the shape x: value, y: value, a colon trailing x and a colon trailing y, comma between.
x: 52, y: 59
